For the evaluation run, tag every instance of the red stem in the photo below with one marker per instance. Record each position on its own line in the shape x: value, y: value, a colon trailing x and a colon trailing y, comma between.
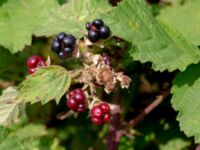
x: 116, y: 130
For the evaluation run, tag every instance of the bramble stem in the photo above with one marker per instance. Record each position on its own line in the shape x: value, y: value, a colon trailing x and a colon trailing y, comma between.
x: 116, y: 130
x: 148, y: 109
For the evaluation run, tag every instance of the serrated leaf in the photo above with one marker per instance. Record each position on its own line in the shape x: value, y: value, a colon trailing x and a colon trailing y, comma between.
x: 72, y: 16
x: 185, y: 100
x: 10, y: 109
x: 46, y: 84
x: 166, y: 49
x: 185, y: 22
x: 19, y: 19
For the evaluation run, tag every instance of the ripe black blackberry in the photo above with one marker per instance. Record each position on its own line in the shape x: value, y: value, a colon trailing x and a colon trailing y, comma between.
x: 104, y: 31
x: 97, y: 30
x: 63, y: 45
x: 98, y: 23
x: 94, y: 36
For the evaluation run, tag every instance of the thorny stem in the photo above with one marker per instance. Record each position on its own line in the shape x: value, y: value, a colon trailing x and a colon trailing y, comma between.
x: 148, y: 109
x: 115, y: 126
x: 116, y: 129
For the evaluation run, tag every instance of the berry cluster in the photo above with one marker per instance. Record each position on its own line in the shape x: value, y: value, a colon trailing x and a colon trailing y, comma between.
x: 76, y: 100
x: 34, y: 62
x: 100, y: 113
x: 63, y: 45
x: 97, y: 30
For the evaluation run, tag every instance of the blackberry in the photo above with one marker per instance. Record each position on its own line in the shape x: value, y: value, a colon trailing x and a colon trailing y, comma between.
x: 34, y: 62
x: 76, y: 100
x: 61, y: 35
x: 98, y: 23
x: 97, y: 30
x: 63, y: 45
x: 106, y: 118
x: 97, y: 112
x: 72, y: 104
x: 68, y: 50
x: 93, y: 36
x: 100, y: 113
x: 105, y: 107
x: 104, y: 31
x: 56, y: 46
x: 88, y: 25
x: 69, y: 40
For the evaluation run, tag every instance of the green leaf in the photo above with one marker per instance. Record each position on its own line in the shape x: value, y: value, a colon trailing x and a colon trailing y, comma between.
x: 71, y: 17
x: 165, y: 48
x: 28, y: 137
x: 126, y: 144
x: 25, y: 138
x: 186, y: 23
x: 185, y: 100
x: 55, y: 145
x: 19, y: 19
x: 175, y: 144
x: 46, y: 84
x: 10, y: 109
x: 3, y: 133
x: 31, y: 130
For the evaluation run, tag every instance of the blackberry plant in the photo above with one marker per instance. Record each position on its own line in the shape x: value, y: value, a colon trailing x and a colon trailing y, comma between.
x: 118, y: 74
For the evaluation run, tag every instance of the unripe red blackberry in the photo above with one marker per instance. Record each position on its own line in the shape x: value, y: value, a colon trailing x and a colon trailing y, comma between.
x: 76, y: 100
x: 34, y: 62
x: 100, y: 113
x: 97, y: 112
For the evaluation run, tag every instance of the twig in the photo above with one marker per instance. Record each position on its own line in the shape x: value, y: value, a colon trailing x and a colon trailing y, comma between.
x: 148, y: 109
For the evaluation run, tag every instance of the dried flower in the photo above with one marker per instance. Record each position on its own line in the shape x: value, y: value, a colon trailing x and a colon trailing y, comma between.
x: 105, y: 76
x: 123, y: 79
